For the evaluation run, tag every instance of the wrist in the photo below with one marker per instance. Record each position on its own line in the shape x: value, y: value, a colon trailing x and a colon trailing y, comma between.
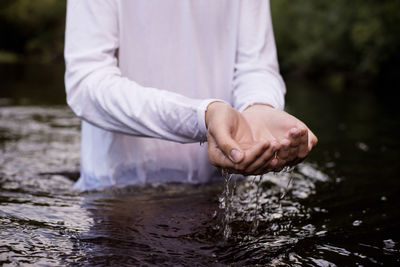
x: 212, y: 108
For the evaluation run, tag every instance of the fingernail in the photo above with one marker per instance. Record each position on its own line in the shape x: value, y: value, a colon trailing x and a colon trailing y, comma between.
x: 235, y: 155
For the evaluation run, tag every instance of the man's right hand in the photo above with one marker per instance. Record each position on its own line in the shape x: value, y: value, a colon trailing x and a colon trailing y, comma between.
x: 231, y: 144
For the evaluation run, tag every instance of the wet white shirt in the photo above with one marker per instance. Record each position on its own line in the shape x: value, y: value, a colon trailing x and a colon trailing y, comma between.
x: 140, y: 74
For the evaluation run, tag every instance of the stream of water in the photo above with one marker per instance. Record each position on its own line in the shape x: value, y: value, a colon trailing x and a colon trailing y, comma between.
x: 338, y: 208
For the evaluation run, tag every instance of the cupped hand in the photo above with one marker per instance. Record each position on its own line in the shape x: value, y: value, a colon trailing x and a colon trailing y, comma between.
x: 295, y: 138
x: 231, y: 144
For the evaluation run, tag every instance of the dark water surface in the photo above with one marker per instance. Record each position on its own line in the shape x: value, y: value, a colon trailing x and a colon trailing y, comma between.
x: 339, y: 208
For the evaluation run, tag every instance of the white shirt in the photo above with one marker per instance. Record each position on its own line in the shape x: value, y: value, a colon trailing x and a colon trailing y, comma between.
x: 140, y: 74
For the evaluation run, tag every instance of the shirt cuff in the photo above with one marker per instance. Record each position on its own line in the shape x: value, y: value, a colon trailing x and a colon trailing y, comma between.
x: 247, y: 104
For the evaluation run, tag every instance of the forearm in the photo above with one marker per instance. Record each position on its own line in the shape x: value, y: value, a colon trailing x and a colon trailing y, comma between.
x: 118, y: 104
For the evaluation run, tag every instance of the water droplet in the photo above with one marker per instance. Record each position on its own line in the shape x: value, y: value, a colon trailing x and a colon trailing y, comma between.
x: 362, y: 146
x: 337, y: 154
x: 389, y: 243
x: 226, y: 204
x: 321, y: 233
x: 256, y: 182
x: 330, y: 164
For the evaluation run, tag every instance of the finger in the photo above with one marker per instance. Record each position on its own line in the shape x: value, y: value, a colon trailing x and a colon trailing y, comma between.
x: 284, y: 150
x: 267, y: 155
x: 280, y: 164
x: 293, y: 152
x: 216, y: 156
x: 303, y: 149
x: 252, y: 155
x: 269, y: 165
x: 294, y: 136
x: 303, y: 145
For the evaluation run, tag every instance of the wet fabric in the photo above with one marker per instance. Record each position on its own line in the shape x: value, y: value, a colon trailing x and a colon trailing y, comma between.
x: 140, y: 74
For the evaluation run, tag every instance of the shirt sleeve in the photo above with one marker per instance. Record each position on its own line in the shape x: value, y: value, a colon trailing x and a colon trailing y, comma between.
x: 98, y: 93
x: 256, y: 76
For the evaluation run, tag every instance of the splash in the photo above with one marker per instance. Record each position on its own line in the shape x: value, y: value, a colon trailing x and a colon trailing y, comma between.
x: 250, y: 204
x: 255, y: 222
x: 226, y: 203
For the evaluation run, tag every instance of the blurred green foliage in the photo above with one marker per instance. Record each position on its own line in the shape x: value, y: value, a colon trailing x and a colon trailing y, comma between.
x: 32, y: 29
x: 342, y: 40
x: 339, y: 39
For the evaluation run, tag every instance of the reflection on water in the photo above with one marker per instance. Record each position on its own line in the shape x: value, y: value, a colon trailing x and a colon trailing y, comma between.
x: 338, y: 208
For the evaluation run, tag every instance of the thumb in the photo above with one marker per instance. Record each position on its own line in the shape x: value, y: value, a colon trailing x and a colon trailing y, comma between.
x: 228, y: 145
x: 235, y: 155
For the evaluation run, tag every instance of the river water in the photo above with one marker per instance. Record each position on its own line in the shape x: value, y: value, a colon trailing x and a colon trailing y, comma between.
x: 338, y: 208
